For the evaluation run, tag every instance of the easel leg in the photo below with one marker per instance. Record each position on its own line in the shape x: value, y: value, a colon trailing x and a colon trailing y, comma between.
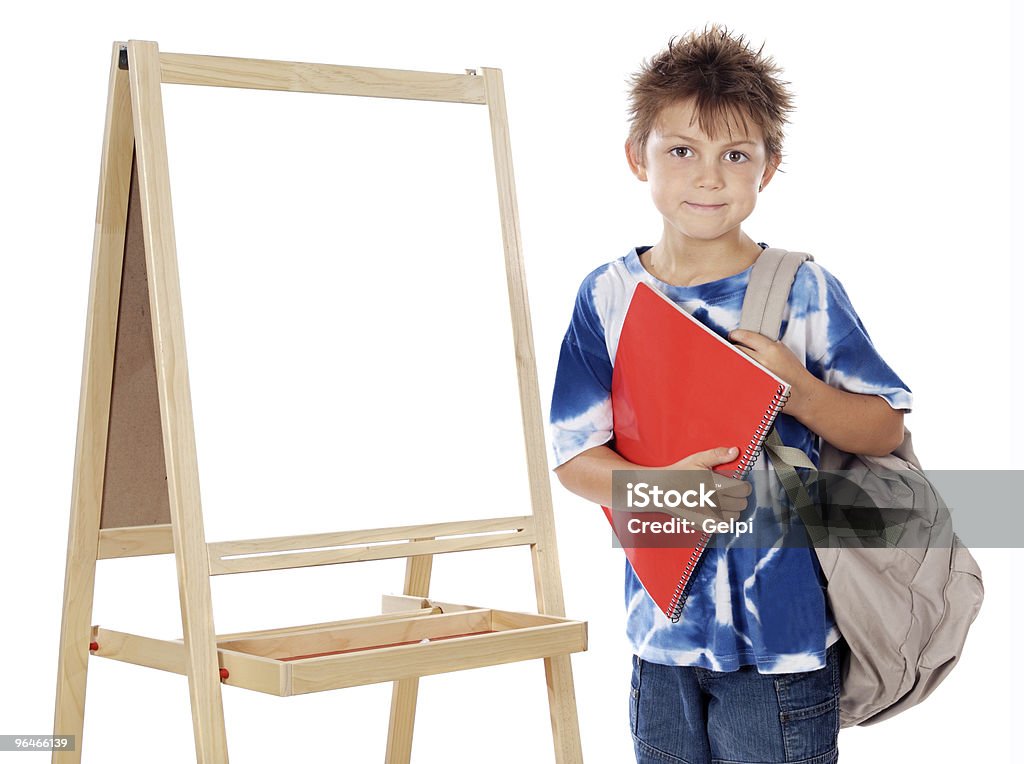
x: 547, y: 578
x: 190, y: 551
x: 404, y: 691
x: 72, y: 666
x: 94, y: 414
x: 565, y: 728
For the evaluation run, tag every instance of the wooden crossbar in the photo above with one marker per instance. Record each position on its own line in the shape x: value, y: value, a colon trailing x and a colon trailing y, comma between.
x: 283, y: 552
x: 260, y: 74
x: 135, y: 541
x: 394, y: 629
x: 411, y: 661
x: 367, y: 619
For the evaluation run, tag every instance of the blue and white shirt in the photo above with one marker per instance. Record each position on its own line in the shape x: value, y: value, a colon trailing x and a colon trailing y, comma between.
x: 762, y: 607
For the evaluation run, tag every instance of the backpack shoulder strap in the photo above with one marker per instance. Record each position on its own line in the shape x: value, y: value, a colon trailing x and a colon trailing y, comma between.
x: 768, y: 290
x: 763, y: 306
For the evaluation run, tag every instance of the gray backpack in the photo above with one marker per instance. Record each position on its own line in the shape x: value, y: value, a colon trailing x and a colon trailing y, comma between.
x: 903, y: 610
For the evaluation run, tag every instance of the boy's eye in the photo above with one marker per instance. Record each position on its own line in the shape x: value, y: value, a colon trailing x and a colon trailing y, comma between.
x: 736, y: 156
x: 678, y: 151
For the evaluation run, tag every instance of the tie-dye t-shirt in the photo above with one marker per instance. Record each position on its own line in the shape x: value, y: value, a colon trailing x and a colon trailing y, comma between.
x: 762, y: 607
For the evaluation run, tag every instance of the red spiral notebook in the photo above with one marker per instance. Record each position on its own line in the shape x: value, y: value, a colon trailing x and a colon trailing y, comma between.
x: 678, y: 388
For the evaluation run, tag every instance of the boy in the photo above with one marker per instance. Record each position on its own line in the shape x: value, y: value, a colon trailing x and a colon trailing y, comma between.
x: 751, y: 672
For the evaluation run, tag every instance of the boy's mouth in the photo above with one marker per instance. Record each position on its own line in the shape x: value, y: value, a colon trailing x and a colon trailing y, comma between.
x: 708, y: 207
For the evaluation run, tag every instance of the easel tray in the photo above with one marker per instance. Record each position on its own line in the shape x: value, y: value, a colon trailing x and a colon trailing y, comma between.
x: 348, y: 653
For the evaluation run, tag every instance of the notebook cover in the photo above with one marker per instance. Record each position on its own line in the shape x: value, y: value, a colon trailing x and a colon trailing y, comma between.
x: 679, y: 388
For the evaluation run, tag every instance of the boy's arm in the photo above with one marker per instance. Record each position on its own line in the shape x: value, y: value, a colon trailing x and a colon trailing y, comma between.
x: 854, y: 422
x: 589, y: 474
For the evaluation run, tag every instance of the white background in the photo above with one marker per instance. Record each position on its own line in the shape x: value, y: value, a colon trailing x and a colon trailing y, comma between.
x: 349, y: 346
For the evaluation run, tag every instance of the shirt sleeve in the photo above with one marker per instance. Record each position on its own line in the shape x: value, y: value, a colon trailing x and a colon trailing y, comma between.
x: 581, y: 404
x: 840, y: 351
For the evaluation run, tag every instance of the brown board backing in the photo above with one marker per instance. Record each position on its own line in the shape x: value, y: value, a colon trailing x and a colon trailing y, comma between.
x: 135, y: 479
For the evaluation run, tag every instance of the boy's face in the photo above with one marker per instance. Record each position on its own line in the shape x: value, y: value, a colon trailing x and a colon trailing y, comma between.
x: 703, y: 188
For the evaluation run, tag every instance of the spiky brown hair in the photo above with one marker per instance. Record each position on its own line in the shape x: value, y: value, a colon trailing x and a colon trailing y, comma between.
x: 728, y: 80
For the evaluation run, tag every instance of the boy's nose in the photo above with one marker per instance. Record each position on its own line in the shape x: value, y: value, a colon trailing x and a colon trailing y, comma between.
x: 710, y: 176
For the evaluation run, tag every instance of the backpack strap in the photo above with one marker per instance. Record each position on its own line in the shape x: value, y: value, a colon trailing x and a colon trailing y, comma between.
x: 763, y: 306
x: 785, y: 459
x: 768, y: 290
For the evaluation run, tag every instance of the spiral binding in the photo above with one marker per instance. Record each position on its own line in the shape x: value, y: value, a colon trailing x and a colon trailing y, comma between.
x: 750, y: 454
x: 756, y: 445
x: 675, y: 605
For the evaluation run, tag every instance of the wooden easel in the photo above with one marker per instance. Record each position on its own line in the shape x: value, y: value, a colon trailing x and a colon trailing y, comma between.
x: 136, y: 484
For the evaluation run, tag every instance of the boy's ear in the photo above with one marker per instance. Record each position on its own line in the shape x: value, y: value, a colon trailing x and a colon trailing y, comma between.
x: 635, y: 163
x: 769, y: 171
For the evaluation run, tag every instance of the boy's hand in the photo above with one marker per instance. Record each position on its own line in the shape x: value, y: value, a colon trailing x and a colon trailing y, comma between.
x: 731, y: 494
x: 777, y: 357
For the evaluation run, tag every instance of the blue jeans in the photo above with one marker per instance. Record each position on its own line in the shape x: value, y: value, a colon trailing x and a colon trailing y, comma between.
x: 697, y: 716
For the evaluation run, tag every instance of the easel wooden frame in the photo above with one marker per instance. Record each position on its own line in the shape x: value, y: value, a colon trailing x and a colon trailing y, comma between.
x: 134, y: 221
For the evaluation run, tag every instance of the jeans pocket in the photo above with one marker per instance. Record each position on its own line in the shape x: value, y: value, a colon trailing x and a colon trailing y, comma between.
x: 634, y: 693
x: 809, y: 710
